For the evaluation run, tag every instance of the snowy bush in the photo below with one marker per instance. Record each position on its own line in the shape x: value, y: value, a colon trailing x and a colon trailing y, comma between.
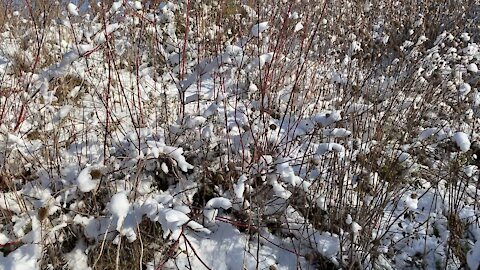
x: 235, y: 135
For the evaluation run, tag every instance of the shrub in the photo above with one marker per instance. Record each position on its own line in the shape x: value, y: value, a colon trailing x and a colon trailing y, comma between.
x: 221, y: 134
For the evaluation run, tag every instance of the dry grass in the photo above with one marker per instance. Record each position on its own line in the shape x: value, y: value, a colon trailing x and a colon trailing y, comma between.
x: 63, y: 89
x: 3, y: 15
x: 135, y: 255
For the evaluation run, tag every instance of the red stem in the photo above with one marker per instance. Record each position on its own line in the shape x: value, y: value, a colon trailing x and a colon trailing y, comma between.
x: 185, y: 41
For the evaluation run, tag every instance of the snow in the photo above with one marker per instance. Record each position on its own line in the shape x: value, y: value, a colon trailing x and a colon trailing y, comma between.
x: 177, y: 154
x: 427, y: 133
x: 411, y: 202
x: 462, y: 141
x: 403, y: 157
x: 13, y: 139
x: 327, y: 245
x: 171, y: 221
x: 324, y: 148
x: 23, y: 258
x: 472, y: 67
x: 467, y: 212
x: 257, y: 29
x: 358, y: 108
x: 465, y: 37
x: 349, y: 219
x: 116, y: 6
x: 62, y: 112
x: 224, y: 249
x: 356, y: 228
x: 252, y: 88
x: 298, y: 27
x: 279, y: 190
x: 27, y: 255
x: 211, y: 208
x: 473, y: 256
x: 327, y: 118
x: 219, y: 203
x: 84, y: 180
x: 464, y: 89
x: 77, y: 258
x: 261, y: 146
x: 470, y: 170
x: 261, y: 61
x: 137, y: 5
x: 355, y: 47
x: 119, y: 207
x: 337, y: 132
x: 287, y: 173
x: 239, y: 188
x: 164, y: 167
x: 72, y: 9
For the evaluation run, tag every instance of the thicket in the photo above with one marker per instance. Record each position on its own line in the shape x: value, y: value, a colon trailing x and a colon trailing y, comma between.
x: 343, y: 132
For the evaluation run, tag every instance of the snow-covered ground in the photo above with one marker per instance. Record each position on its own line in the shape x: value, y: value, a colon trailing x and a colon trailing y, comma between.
x: 277, y: 137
